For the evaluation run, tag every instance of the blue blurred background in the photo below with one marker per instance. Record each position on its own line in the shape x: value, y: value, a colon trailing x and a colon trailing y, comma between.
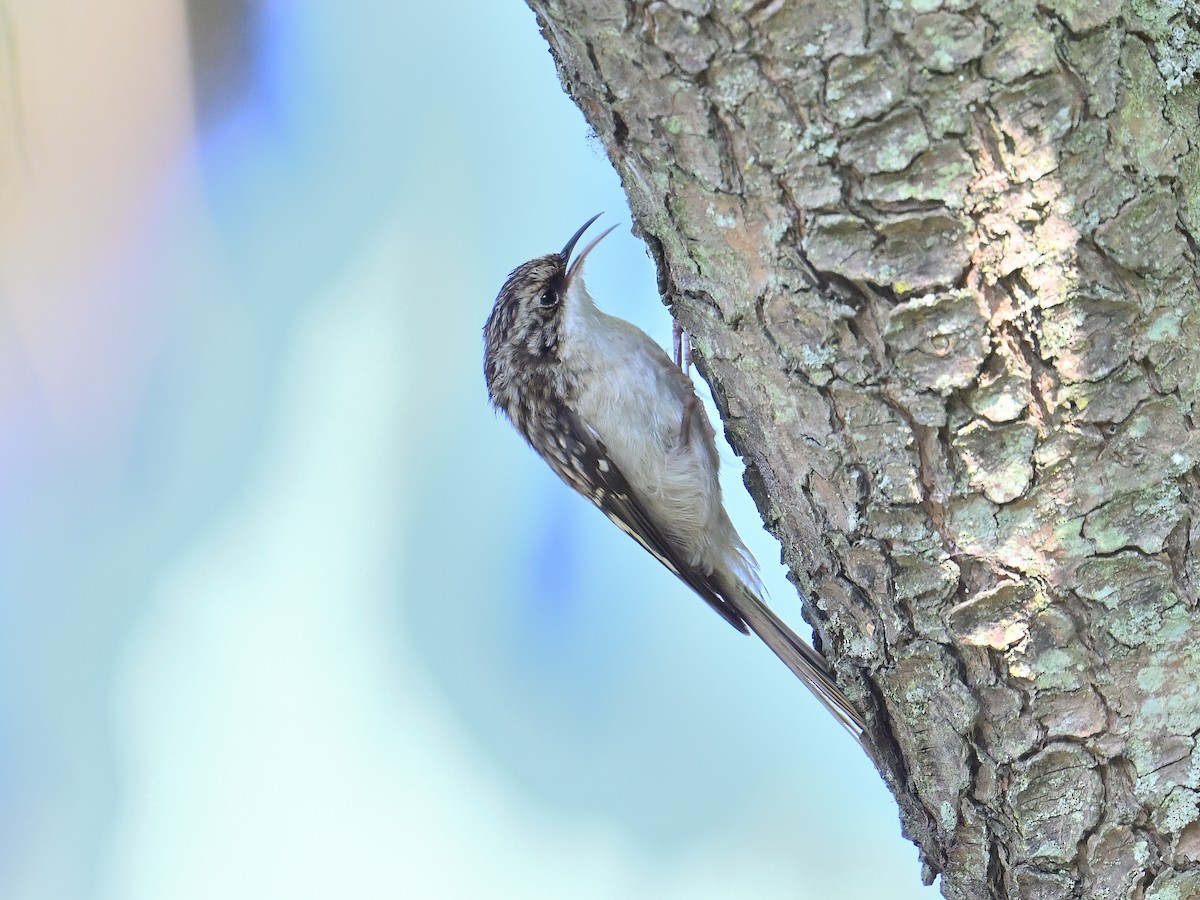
x: 285, y: 610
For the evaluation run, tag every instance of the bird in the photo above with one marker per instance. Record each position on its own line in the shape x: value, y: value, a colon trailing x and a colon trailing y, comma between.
x: 620, y: 422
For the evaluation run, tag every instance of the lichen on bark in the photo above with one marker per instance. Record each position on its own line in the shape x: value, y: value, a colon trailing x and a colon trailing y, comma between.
x: 939, y: 263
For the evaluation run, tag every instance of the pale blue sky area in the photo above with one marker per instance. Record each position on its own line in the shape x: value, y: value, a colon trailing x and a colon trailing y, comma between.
x: 285, y: 610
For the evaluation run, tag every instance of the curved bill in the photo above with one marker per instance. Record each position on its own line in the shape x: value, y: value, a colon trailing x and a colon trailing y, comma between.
x: 566, y: 251
x: 578, y: 263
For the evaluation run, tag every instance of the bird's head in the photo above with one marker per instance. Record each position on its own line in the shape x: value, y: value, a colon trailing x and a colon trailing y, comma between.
x: 526, y: 323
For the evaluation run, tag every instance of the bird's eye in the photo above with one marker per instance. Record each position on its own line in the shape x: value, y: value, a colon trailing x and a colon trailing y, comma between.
x: 549, y: 297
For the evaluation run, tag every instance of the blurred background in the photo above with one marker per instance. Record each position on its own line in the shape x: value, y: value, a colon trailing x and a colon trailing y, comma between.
x: 285, y: 610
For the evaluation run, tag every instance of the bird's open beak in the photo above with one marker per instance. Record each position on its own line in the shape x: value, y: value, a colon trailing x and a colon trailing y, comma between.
x: 566, y: 251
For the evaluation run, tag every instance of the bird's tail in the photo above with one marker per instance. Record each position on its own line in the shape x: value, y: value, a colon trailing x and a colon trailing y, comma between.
x: 807, y: 664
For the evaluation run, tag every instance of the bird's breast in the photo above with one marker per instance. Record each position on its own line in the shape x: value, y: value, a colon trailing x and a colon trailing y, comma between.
x: 634, y: 400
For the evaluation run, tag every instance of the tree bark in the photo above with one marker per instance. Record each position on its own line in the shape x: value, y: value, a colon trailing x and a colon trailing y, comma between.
x: 938, y: 259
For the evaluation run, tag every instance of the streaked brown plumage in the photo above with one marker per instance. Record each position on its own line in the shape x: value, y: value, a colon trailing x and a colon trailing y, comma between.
x: 619, y: 422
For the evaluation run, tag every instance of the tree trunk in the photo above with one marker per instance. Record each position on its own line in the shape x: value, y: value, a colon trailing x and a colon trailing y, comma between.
x: 939, y: 263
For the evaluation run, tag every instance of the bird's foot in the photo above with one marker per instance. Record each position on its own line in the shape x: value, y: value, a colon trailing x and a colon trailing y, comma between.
x: 682, y: 343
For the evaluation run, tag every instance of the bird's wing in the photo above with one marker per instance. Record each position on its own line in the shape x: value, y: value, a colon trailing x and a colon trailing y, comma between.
x: 582, y: 461
x: 580, y: 458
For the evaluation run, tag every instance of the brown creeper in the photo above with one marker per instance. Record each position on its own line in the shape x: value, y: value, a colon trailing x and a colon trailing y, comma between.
x: 602, y: 403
